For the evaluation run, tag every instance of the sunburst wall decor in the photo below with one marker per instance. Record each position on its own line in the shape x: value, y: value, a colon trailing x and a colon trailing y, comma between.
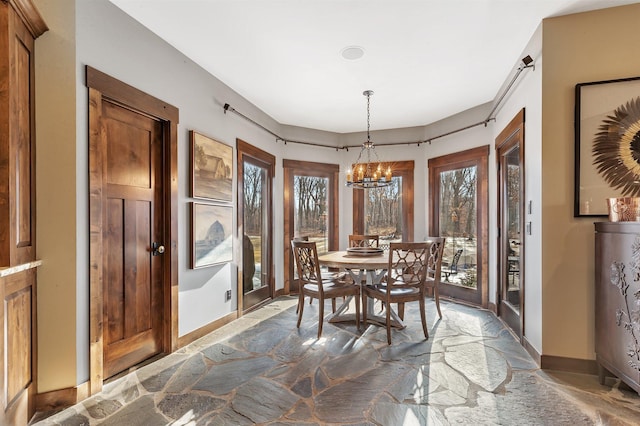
x: 607, y: 144
x: 616, y: 148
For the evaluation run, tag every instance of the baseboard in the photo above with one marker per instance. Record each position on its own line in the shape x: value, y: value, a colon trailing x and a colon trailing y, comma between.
x: 493, y: 308
x: 531, y: 350
x: 280, y: 292
x: 570, y: 365
x: 206, y: 329
x: 61, y: 398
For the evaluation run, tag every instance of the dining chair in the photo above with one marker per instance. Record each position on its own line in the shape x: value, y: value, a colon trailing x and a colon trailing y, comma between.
x: 434, y: 268
x: 406, y: 279
x: 325, y: 274
x: 317, y: 287
x: 368, y: 241
x: 356, y: 240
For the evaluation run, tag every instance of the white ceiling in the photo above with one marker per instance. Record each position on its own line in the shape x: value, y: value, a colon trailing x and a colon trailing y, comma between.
x: 424, y: 59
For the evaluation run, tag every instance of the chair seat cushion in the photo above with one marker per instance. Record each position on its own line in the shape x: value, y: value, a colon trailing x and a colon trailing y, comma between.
x: 400, y: 291
x: 331, y: 285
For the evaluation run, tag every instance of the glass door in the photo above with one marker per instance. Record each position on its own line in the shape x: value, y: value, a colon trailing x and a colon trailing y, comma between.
x: 458, y: 185
x: 510, y: 224
x: 310, y: 210
x: 310, y: 218
x: 254, y: 223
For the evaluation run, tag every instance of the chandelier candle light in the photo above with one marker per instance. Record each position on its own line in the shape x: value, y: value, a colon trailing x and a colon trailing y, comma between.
x: 368, y: 174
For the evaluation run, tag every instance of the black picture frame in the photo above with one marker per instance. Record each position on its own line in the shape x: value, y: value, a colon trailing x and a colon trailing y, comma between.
x: 598, y: 105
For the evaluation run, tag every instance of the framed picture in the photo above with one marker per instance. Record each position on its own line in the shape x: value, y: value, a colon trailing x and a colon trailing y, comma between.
x: 211, y: 168
x: 607, y: 144
x: 211, y: 234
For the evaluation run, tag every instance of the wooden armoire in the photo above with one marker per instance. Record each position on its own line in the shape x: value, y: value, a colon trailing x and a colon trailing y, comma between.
x: 20, y: 25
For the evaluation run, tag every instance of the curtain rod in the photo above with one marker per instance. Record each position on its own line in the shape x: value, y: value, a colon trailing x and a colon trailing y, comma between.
x: 527, y: 63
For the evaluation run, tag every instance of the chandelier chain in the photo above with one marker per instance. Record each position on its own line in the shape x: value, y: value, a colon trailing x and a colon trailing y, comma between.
x: 367, y: 174
x: 368, y: 117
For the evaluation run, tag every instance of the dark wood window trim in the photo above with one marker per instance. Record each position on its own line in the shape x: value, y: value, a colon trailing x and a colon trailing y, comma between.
x: 478, y: 157
x: 405, y: 170
x: 307, y: 168
x: 247, y: 152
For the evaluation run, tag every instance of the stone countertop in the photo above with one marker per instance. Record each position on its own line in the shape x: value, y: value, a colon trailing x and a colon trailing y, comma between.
x: 5, y: 271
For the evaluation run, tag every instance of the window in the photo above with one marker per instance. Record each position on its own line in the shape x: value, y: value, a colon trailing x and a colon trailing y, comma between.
x: 387, y: 211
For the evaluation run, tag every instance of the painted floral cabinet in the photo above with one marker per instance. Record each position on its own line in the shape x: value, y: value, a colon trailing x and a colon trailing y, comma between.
x: 617, y: 301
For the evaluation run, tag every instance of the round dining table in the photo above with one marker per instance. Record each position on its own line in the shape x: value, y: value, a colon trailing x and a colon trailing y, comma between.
x: 369, y: 268
x: 346, y: 260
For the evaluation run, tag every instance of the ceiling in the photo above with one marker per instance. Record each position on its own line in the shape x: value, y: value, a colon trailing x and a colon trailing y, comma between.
x: 425, y: 60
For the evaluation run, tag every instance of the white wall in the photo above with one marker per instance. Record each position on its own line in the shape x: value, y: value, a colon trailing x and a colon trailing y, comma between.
x: 527, y: 93
x: 112, y: 42
x: 109, y: 40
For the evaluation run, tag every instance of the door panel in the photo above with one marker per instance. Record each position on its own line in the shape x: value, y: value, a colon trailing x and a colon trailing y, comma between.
x: 304, y: 183
x: 255, y: 225
x: 458, y: 197
x: 133, y: 285
x: 510, y: 157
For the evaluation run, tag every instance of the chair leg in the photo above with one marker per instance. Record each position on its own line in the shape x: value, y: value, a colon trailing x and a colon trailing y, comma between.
x: 364, y: 309
x: 300, y: 307
x: 333, y: 305
x: 401, y: 311
x: 423, y: 317
x: 388, y: 313
x: 357, y: 300
x: 321, y: 316
x: 436, y: 296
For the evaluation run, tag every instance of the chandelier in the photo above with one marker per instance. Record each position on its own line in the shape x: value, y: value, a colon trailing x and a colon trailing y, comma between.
x: 367, y: 173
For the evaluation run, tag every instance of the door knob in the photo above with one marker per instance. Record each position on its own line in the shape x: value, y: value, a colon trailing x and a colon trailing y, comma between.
x: 157, y: 249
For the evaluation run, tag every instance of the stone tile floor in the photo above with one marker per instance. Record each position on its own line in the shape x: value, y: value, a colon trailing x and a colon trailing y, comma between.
x: 261, y: 369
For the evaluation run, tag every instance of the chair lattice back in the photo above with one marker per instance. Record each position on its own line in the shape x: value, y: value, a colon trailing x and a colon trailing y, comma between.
x: 408, y: 263
x: 436, y: 249
x: 434, y: 263
x: 364, y: 240
x: 306, y: 255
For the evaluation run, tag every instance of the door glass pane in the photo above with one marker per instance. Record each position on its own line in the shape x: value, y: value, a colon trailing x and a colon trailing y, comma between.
x: 255, y: 227
x: 458, y: 224
x: 512, y: 225
x: 383, y: 212
x: 310, y: 211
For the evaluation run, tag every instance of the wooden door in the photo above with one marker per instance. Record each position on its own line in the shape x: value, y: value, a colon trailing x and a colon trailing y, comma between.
x: 133, y: 199
x: 510, y: 158
x: 132, y: 285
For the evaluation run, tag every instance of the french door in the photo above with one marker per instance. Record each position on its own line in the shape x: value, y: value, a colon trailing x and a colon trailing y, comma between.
x: 510, y: 157
x: 255, y: 179
x: 458, y: 201
x: 310, y: 210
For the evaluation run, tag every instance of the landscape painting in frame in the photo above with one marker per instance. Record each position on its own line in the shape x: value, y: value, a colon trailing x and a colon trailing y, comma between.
x: 607, y: 144
x: 211, y: 166
x: 211, y: 234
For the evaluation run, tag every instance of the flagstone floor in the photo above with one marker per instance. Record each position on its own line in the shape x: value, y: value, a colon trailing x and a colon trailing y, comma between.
x: 261, y: 369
